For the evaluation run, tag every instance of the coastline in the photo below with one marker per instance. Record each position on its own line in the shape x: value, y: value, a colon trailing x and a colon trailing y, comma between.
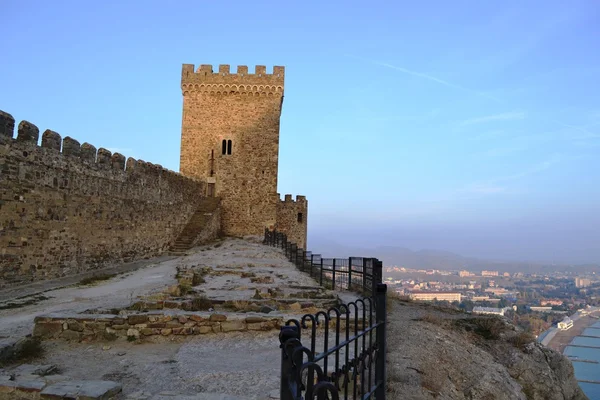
x: 559, y: 339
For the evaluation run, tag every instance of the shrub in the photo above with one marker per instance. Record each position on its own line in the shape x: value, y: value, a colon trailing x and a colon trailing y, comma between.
x: 198, y: 279
x: 522, y: 339
x: 30, y: 349
x: 184, y: 289
x: 96, y: 278
x: 486, y: 327
x: 200, y: 303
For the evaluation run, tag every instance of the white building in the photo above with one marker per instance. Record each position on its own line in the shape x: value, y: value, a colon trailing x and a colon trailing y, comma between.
x: 439, y: 296
x: 489, y: 310
x: 565, y: 324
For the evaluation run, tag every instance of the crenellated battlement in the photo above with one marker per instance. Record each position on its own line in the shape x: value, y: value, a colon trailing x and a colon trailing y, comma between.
x: 288, y: 199
x: 86, y: 153
x: 205, y: 80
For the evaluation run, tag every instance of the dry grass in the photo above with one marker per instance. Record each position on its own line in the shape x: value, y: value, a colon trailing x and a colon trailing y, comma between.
x: 262, y: 279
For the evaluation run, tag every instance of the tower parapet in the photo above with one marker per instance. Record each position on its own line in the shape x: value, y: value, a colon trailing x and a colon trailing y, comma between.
x: 205, y: 80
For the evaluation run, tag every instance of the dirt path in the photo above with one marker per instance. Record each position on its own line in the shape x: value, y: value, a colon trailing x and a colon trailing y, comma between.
x: 119, y: 291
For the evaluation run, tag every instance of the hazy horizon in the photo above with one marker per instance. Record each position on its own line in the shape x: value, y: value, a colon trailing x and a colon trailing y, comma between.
x: 471, y: 127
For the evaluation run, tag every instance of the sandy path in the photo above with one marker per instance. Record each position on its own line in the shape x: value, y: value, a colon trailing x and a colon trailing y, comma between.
x: 115, y: 292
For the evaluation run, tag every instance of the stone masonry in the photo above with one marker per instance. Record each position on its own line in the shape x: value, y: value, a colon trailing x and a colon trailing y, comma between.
x: 230, y: 140
x: 67, y: 208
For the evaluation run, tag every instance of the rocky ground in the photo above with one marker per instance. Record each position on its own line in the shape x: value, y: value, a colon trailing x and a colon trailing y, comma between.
x: 432, y: 353
x: 238, y: 364
x: 435, y: 353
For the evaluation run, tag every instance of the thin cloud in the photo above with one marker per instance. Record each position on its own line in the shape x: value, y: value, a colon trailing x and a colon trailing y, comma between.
x: 501, y: 151
x: 509, y: 116
x: 429, y: 78
x: 489, y: 135
x: 480, y: 188
x: 537, y: 168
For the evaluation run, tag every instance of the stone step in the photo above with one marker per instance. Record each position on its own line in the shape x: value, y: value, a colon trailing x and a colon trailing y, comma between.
x: 91, y: 390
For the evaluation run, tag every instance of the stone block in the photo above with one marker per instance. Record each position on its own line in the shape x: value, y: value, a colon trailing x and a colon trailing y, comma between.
x: 166, y: 331
x: 47, y: 330
x: 121, y: 327
x: 218, y: 317
x: 231, y: 326
x: 157, y: 325
x: 255, y: 319
x: 196, y: 318
x: 75, y: 326
x: 51, y: 140
x: 182, y: 319
x: 147, y: 331
x: 133, y: 333
x: 137, y: 319
x: 71, y: 147
x: 70, y: 335
x: 173, y: 324
x: 7, y: 124
x: 256, y: 326
x: 28, y: 132
x: 202, y: 330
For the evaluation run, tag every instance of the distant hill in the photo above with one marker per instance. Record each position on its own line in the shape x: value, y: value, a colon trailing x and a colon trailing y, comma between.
x: 439, y: 259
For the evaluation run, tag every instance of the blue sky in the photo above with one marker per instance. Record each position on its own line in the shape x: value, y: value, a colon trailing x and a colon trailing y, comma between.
x: 465, y: 126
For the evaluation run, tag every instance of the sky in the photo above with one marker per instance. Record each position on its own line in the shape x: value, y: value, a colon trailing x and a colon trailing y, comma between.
x: 472, y: 127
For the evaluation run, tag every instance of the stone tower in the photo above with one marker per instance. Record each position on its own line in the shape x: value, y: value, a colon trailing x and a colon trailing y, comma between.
x: 230, y: 140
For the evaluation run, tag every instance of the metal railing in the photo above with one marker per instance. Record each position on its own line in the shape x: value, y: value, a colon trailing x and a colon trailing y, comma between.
x: 352, y: 367
x: 358, y: 274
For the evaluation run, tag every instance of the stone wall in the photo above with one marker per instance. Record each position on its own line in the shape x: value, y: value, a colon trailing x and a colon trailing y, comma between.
x: 241, y: 110
x: 102, y: 327
x: 292, y: 219
x: 67, y: 208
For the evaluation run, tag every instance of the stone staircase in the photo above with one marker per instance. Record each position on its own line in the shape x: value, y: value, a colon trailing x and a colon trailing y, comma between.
x: 195, y: 225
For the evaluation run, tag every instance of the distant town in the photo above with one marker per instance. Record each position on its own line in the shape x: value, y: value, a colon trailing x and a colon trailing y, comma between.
x: 532, y: 301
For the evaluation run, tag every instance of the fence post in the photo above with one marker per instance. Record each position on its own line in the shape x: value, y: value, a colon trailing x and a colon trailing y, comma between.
x: 321, y: 278
x: 377, y: 274
x: 286, y: 387
x: 349, y: 273
x: 364, y: 276
x: 312, y: 257
x: 381, y: 317
x: 333, y: 276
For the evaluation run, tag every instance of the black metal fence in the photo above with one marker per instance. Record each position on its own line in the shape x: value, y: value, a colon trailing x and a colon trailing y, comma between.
x: 351, y: 364
x: 358, y: 274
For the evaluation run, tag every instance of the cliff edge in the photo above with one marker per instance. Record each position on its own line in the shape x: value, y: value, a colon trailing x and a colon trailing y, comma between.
x: 438, y: 353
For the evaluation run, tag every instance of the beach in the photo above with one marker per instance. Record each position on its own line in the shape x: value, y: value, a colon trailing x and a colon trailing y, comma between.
x: 559, y: 339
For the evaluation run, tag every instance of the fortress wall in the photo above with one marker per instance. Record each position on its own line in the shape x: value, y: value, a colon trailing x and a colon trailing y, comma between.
x: 292, y: 219
x: 67, y: 208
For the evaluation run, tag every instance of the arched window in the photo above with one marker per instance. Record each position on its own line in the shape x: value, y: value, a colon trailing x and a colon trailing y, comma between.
x: 226, y: 147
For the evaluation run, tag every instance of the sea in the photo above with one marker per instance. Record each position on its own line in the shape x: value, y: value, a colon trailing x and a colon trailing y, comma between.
x: 587, y: 370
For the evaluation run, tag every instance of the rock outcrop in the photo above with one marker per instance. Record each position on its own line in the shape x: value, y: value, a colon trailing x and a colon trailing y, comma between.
x: 436, y: 353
